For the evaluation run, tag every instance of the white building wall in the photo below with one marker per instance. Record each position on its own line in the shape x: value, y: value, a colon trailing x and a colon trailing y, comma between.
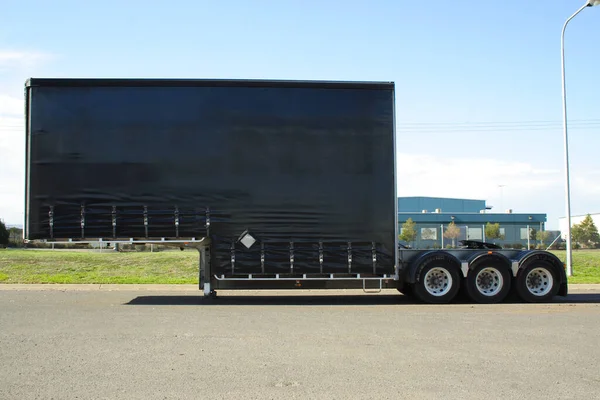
x: 576, y: 219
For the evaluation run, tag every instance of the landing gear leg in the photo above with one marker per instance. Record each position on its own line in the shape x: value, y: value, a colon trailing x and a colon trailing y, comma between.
x: 204, y: 272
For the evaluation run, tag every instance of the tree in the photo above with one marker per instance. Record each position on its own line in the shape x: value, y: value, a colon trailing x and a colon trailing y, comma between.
x: 577, y: 235
x: 492, y: 231
x: 428, y: 234
x: 452, y: 232
x: 532, y: 233
x: 585, y: 233
x: 543, y: 236
x: 16, y: 236
x: 409, y: 232
x: 4, y: 235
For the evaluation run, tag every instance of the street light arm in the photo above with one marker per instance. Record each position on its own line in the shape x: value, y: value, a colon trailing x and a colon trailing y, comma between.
x: 590, y: 3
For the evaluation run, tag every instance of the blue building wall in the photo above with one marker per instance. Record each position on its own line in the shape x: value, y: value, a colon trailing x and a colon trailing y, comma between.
x: 430, y: 226
x: 418, y: 204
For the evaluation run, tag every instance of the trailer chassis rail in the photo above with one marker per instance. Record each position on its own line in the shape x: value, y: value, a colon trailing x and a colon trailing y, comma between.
x: 121, y: 241
x: 305, y: 277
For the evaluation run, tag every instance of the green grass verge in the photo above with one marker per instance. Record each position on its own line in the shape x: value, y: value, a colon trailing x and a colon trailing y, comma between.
x: 47, y: 266
x: 586, y: 265
x: 171, y: 267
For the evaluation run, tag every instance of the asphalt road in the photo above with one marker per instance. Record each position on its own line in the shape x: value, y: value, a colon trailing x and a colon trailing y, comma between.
x: 104, y: 344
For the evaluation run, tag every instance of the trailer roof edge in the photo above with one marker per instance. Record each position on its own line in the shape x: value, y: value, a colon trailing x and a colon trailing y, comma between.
x: 184, y: 82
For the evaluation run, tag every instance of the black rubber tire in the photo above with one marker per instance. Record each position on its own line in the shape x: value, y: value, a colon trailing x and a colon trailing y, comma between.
x: 422, y: 294
x: 476, y: 295
x: 521, y: 283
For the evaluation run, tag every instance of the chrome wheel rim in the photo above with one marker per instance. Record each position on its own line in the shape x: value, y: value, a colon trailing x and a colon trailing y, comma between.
x: 489, y: 282
x: 539, y: 281
x: 438, y: 281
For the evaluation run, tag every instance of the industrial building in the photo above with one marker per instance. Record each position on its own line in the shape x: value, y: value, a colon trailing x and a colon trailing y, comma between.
x: 575, y: 220
x: 433, y: 214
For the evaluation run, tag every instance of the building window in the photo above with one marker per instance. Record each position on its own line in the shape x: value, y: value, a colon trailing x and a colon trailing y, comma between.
x: 524, y: 234
x: 475, y: 234
x: 428, y: 234
x: 503, y: 232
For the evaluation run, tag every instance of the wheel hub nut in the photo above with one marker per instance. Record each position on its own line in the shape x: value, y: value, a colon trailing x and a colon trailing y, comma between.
x: 485, y: 281
x: 535, y: 281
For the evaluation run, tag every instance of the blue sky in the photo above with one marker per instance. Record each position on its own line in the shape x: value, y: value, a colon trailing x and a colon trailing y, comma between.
x: 478, y: 89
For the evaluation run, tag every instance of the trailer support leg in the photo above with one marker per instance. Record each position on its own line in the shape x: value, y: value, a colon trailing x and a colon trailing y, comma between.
x: 207, y: 292
x: 204, y: 278
x: 201, y: 256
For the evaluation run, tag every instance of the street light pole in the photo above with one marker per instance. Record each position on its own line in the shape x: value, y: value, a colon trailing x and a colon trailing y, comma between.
x: 589, y: 3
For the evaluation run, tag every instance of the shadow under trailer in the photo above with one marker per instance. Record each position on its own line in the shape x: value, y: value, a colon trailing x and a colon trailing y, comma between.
x: 278, y: 184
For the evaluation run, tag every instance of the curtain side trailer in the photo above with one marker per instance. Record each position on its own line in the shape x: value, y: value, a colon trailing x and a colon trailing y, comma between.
x: 278, y: 184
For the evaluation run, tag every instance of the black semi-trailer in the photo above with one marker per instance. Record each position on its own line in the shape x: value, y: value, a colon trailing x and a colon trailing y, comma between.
x: 278, y: 184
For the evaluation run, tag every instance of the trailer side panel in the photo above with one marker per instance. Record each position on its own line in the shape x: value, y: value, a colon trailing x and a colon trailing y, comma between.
x: 306, y: 168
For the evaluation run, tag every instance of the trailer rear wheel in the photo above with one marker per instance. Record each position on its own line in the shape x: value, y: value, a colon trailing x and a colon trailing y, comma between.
x: 488, y: 283
x: 437, y: 283
x: 537, y: 283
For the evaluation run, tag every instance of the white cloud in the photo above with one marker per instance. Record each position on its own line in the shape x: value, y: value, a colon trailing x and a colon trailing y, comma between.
x: 527, y: 188
x: 468, y: 177
x: 586, y: 185
x: 9, y: 58
x: 594, y: 172
x: 15, y: 66
x: 12, y: 106
x: 12, y: 171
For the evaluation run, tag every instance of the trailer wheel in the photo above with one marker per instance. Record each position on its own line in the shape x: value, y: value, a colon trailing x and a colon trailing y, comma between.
x: 488, y: 283
x: 537, y: 283
x: 437, y: 283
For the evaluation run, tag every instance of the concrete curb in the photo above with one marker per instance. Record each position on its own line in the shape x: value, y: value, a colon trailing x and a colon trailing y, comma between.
x: 99, y: 287
x: 584, y: 287
x: 573, y: 288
